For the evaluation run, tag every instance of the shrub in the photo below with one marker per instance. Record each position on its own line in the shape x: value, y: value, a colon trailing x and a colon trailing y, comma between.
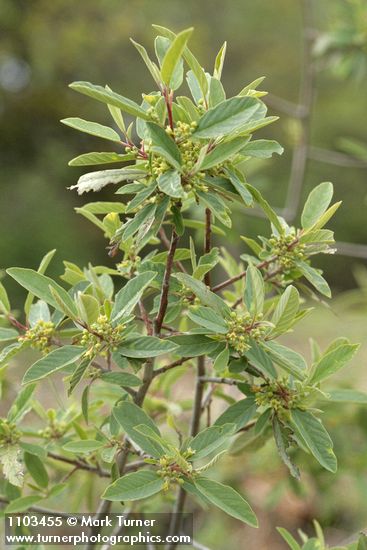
x: 128, y: 334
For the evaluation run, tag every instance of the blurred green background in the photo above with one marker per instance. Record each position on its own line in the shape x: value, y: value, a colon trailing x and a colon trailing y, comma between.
x: 46, y: 44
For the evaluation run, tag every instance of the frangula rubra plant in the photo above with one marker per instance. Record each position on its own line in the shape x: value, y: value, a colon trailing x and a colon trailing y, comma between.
x: 128, y: 334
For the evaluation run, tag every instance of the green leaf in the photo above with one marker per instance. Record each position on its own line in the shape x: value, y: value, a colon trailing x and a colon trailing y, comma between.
x: 208, y: 318
x: 33, y: 449
x: 316, y: 204
x: 12, y: 468
x: 240, y: 187
x: 193, y: 345
x: 88, y: 307
x: 36, y: 469
x: 205, y: 295
x: 282, y: 444
x: 289, y: 360
x: 219, y: 61
x: 178, y: 220
x: 4, y: 300
x: 254, y: 291
x: 39, y: 312
x: 143, y: 220
x: 221, y: 361
x: 209, y: 439
x: 8, y: 334
x: 314, y: 435
x: 83, y: 446
x: 129, y: 416
x: 285, y: 311
x: 90, y: 159
x: 190, y: 60
x: 217, y: 206
x: 170, y: 183
x: 260, y: 360
x: 127, y: 298
x: 95, y: 181
x: 20, y: 403
x: 252, y: 86
x: 93, y: 128
x: 22, y: 504
x: 134, y: 486
x: 109, y: 97
x: 121, y: 378
x: 152, y: 67
x: 174, y: 54
x: 347, y: 396
x: 164, y: 145
x: 216, y: 92
x: 325, y: 217
x: 262, y: 148
x: 53, y: 362
x: 39, y: 285
x: 78, y: 374
x: 161, y: 46
x: 239, y: 413
x: 227, y: 499
x: 45, y: 262
x: 289, y: 539
x: 11, y: 350
x: 145, y: 347
x: 315, y: 278
x: 332, y: 362
x: 63, y: 306
x: 222, y: 152
x: 266, y: 208
x: 151, y: 434
x: 226, y: 117
x: 85, y: 403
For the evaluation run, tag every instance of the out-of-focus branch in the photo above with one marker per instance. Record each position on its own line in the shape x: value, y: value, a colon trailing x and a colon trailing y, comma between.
x: 306, y: 95
x: 334, y: 157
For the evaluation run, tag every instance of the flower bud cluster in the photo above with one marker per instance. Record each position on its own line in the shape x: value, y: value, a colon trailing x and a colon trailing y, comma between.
x: 278, y: 395
x: 101, y: 337
x: 187, y: 297
x: 171, y: 471
x: 287, y: 249
x: 56, y: 429
x: 39, y: 336
x: 242, y: 328
x: 9, y: 435
x: 129, y: 265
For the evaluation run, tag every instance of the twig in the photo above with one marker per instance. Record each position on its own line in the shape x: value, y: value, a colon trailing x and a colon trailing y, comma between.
x: 80, y: 465
x: 287, y: 107
x: 145, y: 317
x: 218, y: 380
x: 165, y: 287
x: 334, y: 157
x: 170, y: 366
x: 207, y: 242
x: 165, y: 240
x: 195, y: 423
x: 241, y: 275
x: 299, y: 160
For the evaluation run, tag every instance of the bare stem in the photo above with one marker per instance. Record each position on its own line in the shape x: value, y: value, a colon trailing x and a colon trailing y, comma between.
x: 166, y: 281
x: 170, y: 366
x: 207, y: 243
